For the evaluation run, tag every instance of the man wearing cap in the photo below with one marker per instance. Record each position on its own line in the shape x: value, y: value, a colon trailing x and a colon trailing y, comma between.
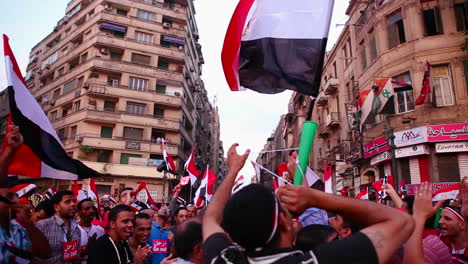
x: 160, y: 238
x: 452, y: 232
x: 20, y: 239
x: 257, y: 220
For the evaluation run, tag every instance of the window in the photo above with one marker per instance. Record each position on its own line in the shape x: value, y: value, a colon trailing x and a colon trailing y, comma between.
x: 465, y: 70
x: 442, y: 85
x: 363, y: 56
x: 119, y: 34
x: 161, y: 88
x: 56, y: 94
x: 158, y: 111
x: 346, y: 56
x: 73, y: 130
x: 141, y: 59
x: 143, y: 37
x: 146, y: 15
x: 113, y: 80
x: 103, y: 155
x: 61, y: 133
x: 373, y: 47
x: 163, y: 65
x: 53, y: 115
x: 461, y: 16
x: 60, y: 71
x: 133, y: 133
x: 138, y: 84
x: 69, y: 86
x: 155, y: 134
x: 164, y: 43
x: 122, y: 12
x: 136, y: 108
x: 405, y: 97
x: 109, y: 106
x: 334, y: 70
x: 396, y: 30
x: 84, y: 57
x: 124, y: 157
x: 106, y: 132
x: 64, y: 112
x: 76, y: 106
x: 350, y: 50
x: 115, y: 56
x: 448, y: 167
x: 50, y: 60
x: 432, y: 22
x: 80, y: 82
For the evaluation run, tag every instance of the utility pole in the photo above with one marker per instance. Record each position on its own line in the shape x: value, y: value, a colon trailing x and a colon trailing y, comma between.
x: 390, y: 137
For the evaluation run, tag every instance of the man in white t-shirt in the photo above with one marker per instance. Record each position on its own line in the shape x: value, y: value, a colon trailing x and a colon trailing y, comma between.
x: 89, y: 232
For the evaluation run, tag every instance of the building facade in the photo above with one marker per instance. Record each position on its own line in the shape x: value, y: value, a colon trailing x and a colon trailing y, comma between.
x: 395, y: 39
x: 116, y: 78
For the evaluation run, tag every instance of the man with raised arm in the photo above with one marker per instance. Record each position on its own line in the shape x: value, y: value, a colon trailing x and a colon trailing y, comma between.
x: 257, y: 220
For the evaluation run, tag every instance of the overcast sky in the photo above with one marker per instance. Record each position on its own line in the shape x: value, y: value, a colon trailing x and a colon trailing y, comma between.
x: 247, y: 118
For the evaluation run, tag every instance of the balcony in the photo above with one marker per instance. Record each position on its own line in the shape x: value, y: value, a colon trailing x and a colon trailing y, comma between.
x: 106, y: 91
x: 323, y: 132
x: 331, y: 86
x: 125, y: 170
x: 333, y: 120
x: 322, y: 99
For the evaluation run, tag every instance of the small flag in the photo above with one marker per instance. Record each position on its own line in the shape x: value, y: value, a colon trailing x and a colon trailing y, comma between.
x: 78, y: 192
x: 269, y: 49
x: 311, y: 177
x: 205, y: 190
x: 169, y: 161
x: 142, y: 187
x: 24, y: 191
x: 363, y: 195
x: 449, y: 193
x: 426, y: 86
x: 190, y: 167
x: 49, y: 193
x: 327, y: 177
x: 42, y: 154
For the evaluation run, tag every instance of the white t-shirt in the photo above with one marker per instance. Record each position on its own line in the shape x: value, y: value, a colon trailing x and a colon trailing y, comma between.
x: 86, y: 233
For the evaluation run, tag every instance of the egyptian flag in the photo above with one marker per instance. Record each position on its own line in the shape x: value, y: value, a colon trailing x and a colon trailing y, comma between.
x: 327, y: 173
x: 168, y: 159
x: 239, y: 183
x: 24, y: 191
x: 142, y: 187
x: 426, y: 87
x: 191, y: 168
x: 78, y: 192
x: 49, y: 193
x: 276, y: 45
x: 312, y: 178
x: 184, y: 181
x: 205, y: 190
x: 449, y: 193
x: 42, y: 154
x: 363, y: 195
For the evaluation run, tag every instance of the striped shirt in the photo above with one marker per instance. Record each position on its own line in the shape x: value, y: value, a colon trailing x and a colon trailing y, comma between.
x: 16, y: 237
x: 57, y: 233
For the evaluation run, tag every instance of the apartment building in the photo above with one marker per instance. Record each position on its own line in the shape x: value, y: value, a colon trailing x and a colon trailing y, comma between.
x: 116, y: 78
x: 394, y: 39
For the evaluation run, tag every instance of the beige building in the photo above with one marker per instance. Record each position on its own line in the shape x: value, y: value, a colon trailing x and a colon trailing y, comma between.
x: 395, y: 38
x: 115, y: 78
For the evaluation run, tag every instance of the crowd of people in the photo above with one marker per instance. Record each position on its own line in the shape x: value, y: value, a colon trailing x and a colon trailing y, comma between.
x: 295, y: 224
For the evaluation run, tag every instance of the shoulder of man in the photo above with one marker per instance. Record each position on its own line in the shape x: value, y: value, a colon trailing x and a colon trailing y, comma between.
x: 44, y: 223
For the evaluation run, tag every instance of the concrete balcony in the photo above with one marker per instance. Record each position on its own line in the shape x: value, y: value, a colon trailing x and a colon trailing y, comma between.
x: 164, y: 9
x: 333, y: 120
x: 130, y: 43
x: 171, y: 124
x: 145, y: 70
x: 119, y: 143
x: 103, y: 90
x: 322, y: 99
x: 331, y: 86
x: 124, y: 170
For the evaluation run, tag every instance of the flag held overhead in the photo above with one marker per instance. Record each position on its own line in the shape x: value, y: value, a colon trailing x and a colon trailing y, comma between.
x: 269, y: 48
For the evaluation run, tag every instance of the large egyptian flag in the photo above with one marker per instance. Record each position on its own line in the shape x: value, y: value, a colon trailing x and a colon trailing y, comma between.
x: 205, y: 190
x: 276, y: 45
x: 191, y: 168
x: 42, y: 154
x: 168, y: 159
x: 426, y: 87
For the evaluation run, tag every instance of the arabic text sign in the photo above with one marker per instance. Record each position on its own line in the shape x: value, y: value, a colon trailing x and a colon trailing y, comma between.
x: 375, y: 147
x: 447, y: 132
x: 411, y: 188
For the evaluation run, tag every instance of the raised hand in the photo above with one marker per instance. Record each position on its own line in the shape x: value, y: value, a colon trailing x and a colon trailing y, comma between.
x: 141, y: 253
x: 14, y: 137
x: 296, y: 199
x: 422, y: 208
x: 170, y: 259
x: 235, y: 162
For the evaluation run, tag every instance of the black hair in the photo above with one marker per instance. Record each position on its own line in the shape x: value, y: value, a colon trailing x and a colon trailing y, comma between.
x: 114, y: 212
x: 409, y: 200
x: 57, y: 198
x: 47, y: 206
x: 179, y: 209
x: 351, y: 225
x: 141, y: 216
x: 80, y: 204
x: 249, y: 217
x: 312, y: 236
x: 186, y: 238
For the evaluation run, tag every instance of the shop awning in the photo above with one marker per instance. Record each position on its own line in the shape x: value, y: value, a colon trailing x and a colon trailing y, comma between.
x: 175, y: 40
x: 112, y: 26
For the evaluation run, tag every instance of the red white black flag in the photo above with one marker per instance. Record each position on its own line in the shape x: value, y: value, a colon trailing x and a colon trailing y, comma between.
x: 191, y: 168
x: 276, y: 45
x: 168, y: 159
x: 205, y: 191
x: 42, y: 154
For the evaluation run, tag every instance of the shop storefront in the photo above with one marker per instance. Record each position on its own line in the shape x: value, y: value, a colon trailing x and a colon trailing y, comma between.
x: 378, y: 155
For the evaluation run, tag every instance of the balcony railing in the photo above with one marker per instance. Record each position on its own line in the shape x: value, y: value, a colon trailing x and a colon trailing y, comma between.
x: 322, y: 99
x: 333, y: 120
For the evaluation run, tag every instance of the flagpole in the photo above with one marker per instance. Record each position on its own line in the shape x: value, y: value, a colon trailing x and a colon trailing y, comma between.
x: 207, y: 183
x: 272, y: 173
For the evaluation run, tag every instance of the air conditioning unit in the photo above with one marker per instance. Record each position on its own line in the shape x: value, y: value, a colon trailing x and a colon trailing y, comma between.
x: 115, y: 83
x: 79, y: 138
x: 52, y: 102
x: 356, y: 171
x: 166, y: 25
x: 104, y: 51
x: 176, y: 93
